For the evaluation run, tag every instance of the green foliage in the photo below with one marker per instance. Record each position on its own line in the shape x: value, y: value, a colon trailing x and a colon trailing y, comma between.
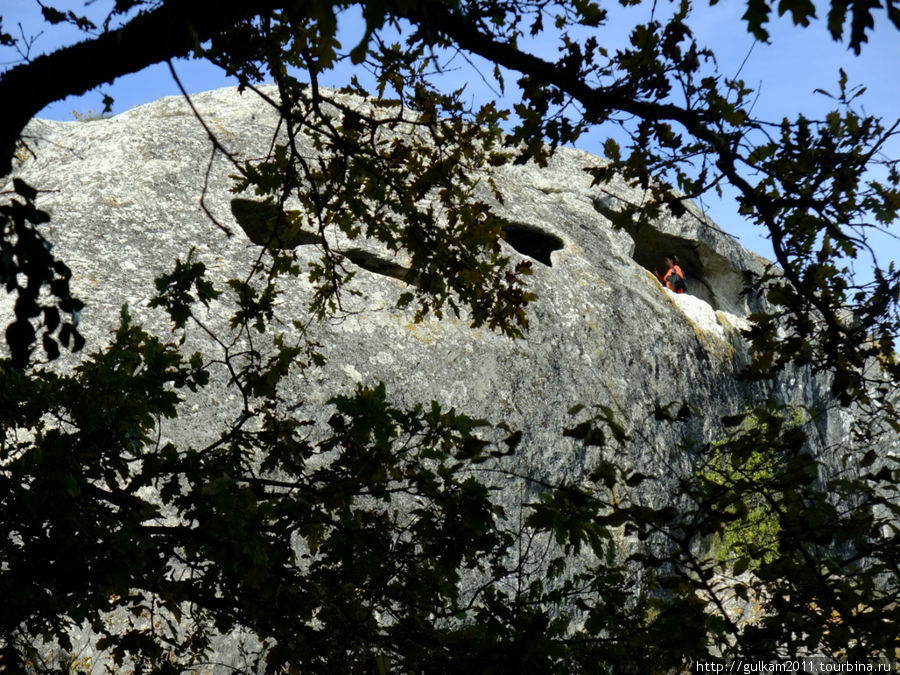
x: 375, y: 540
x: 174, y: 290
x: 26, y: 257
x: 809, y: 537
x: 394, y: 159
x: 747, y: 466
x: 387, y: 554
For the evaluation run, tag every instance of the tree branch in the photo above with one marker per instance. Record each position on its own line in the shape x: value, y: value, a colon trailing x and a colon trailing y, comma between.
x: 174, y: 29
x: 599, y: 101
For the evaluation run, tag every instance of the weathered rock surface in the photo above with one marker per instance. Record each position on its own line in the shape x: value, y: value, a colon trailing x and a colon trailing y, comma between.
x: 124, y: 195
x: 125, y: 199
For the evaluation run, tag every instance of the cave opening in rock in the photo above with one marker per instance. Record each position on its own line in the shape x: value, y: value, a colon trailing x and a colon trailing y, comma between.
x: 532, y: 242
x: 651, y: 248
x: 710, y: 275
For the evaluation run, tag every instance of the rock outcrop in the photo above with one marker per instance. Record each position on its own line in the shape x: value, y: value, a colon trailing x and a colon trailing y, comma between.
x: 125, y: 199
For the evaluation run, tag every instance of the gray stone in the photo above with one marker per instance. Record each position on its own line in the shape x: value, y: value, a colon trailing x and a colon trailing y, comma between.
x: 125, y: 198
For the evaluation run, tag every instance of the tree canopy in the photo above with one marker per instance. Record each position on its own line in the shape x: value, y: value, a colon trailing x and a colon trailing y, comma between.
x: 258, y: 537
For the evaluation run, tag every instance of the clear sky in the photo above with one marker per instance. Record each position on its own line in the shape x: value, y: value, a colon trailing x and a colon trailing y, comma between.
x: 785, y: 72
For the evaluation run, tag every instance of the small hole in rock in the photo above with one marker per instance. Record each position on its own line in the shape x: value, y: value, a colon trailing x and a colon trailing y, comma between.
x: 378, y: 265
x: 532, y: 242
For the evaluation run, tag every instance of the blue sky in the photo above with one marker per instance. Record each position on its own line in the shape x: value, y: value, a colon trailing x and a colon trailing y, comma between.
x: 785, y: 73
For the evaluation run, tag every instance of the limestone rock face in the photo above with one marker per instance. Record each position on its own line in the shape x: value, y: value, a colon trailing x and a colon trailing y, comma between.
x: 125, y: 199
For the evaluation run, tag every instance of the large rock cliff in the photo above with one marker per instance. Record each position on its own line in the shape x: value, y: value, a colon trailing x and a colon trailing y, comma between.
x: 125, y: 199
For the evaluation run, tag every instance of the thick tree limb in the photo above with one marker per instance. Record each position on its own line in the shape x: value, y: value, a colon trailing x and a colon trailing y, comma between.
x: 172, y: 30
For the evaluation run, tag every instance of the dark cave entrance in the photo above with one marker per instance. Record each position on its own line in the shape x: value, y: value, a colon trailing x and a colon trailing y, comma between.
x: 709, y: 275
x: 651, y: 247
x: 532, y: 242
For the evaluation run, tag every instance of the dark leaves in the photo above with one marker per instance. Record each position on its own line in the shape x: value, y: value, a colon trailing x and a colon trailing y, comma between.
x: 6, y: 39
x: 372, y: 538
x: 175, y: 290
x: 28, y: 269
x: 54, y: 16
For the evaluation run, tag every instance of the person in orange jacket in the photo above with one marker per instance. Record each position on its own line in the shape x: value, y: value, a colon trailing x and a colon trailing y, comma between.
x: 673, y: 279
